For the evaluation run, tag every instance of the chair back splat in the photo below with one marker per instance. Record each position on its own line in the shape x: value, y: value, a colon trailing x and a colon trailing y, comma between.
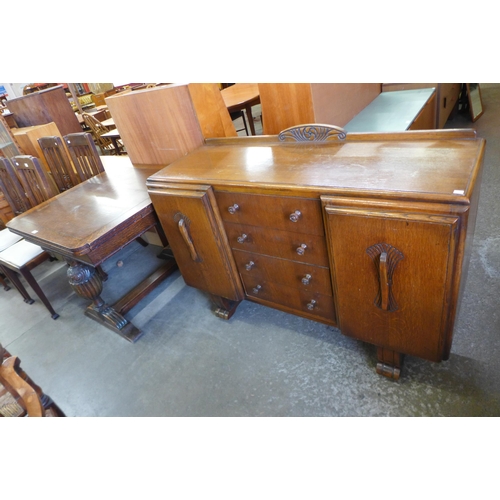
x: 37, y: 186
x: 60, y: 165
x: 84, y: 155
x: 11, y: 188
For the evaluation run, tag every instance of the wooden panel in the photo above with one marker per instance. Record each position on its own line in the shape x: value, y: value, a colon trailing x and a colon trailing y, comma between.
x: 157, y: 125
x: 46, y: 106
x: 426, y: 119
x: 285, y: 105
x: 27, y: 137
x: 338, y: 103
x: 196, y: 236
x: 272, y: 211
x: 415, y: 321
x: 211, y: 111
x: 447, y: 100
x: 278, y: 243
x: 285, y: 272
x: 275, y: 294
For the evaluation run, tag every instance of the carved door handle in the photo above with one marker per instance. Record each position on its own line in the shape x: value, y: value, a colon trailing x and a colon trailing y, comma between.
x: 257, y: 289
x: 306, y: 280
x: 242, y: 238
x: 183, y: 229
x: 233, y: 209
x: 295, y: 216
x: 301, y: 249
x: 384, y: 281
x: 249, y: 266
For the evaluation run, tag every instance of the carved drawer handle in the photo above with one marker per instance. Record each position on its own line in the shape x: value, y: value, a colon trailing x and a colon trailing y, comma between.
x: 301, y: 249
x: 311, y: 305
x: 233, y: 209
x: 306, y: 280
x: 295, y: 216
x: 242, y: 238
x: 187, y: 238
x: 249, y: 266
x: 257, y: 289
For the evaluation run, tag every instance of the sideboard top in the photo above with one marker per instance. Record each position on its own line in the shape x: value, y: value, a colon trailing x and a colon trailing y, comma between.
x: 442, y: 165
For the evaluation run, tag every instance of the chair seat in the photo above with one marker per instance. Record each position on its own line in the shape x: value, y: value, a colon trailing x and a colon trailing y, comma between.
x: 7, y: 239
x: 20, y: 253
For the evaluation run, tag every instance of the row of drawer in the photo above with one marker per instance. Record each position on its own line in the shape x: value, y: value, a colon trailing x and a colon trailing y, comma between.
x: 279, y: 247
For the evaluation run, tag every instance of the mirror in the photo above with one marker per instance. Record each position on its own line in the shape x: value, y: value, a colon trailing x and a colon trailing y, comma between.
x: 475, y: 101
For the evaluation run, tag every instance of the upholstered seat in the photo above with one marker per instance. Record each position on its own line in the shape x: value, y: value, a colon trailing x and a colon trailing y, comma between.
x: 7, y: 239
x: 19, y: 254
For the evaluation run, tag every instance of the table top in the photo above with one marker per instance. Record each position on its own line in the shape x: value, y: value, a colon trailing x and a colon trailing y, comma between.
x: 240, y: 93
x: 112, y: 133
x: 109, y: 122
x: 76, y: 218
x: 392, y: 111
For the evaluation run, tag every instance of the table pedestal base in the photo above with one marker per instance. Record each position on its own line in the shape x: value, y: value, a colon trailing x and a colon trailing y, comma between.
x: 87, y: 283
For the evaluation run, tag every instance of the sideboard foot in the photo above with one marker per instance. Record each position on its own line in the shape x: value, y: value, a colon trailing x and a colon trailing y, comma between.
x: 389, y: 363
x: 224, y: 308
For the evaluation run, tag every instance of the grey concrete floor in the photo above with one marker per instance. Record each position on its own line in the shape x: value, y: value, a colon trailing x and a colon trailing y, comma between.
x: 261, y: 362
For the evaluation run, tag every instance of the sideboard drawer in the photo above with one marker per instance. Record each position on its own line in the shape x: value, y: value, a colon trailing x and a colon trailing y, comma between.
x: 306, y: 277
x: 299, y: 215
x: 307, y: 303
x: 298, y: 247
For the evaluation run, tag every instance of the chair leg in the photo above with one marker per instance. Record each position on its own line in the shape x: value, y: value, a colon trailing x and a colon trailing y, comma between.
x: 245, y: 122
x: 6, y: 287
x: 14, y: 279
x: 36, y: 287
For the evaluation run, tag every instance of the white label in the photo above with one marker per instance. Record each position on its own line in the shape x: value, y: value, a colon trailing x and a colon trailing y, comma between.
x: 459, y: 191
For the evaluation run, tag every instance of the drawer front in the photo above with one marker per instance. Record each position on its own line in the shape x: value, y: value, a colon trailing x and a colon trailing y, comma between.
x: 299, y: 215
x: 305, y: 277
x: 306, y: 303
x: 306, y: 248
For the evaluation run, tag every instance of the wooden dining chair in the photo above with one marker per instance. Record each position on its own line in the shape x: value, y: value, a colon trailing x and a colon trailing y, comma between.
x: 19, y: 395
x: 33, y: 178
x: 60, y: 165
x: 11, y: 188
x: 18, y: 256
x: 84, y: 155
x: 105, y: 144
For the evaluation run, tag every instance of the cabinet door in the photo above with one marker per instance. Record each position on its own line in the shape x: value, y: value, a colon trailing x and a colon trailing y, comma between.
x: 194, y: 230
x: 392, y: 275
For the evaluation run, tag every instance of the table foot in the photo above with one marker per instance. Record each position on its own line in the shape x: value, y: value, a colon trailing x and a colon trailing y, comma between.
x: 87, y: 283
x: 225, y: 308
x: 114, y: 321
x: 389, y: 363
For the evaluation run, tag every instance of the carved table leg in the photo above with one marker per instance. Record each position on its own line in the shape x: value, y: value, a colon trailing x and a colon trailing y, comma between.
x: 225, y: 308
x: 389, y: 363
x: 87, y: 283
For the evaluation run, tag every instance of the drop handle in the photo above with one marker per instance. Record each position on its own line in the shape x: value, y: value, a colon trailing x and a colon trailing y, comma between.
x: 233, y: 209
x: 306, y: 280
x: 311, y: 305
x: 249, y: 266
x: 295, y: 216
x: 257, y: 289
x: 242, y: 238
x: 301, y: 250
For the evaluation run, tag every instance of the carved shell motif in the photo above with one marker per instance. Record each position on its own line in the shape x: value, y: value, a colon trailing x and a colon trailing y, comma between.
x: 312, y: 133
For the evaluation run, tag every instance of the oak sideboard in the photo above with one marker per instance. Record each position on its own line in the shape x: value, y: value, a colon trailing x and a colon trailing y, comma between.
x: 370, y: 233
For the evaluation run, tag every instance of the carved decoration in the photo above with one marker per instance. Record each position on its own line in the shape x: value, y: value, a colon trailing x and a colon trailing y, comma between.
x: 312, y: 133
x: 385, y: 258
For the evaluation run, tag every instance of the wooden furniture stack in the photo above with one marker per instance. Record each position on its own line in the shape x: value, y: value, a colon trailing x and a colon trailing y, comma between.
x: 289, y: 104
x: 367, y: 232
x: 446, y: 99
x: 43, y: 107
x: 157, y: 125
